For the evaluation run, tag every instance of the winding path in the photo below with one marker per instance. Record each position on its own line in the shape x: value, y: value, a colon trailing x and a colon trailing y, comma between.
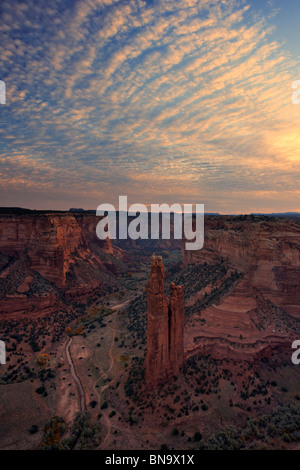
x: 105, y: 412
x: 115, y: 307
x: 99, y: 392
x: 76, y: 378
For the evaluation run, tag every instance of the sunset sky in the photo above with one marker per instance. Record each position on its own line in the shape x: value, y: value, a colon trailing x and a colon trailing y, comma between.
x: 186, y: 101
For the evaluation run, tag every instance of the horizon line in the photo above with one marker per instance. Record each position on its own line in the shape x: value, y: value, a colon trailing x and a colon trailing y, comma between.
x: 81, y: 210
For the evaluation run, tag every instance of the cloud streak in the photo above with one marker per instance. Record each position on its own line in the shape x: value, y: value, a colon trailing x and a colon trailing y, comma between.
x: 181, y: 101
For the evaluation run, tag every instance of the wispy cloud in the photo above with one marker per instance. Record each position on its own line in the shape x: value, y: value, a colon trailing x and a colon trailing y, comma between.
x: 186, y: 100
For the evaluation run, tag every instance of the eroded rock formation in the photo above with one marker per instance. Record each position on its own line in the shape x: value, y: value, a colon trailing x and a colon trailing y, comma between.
x: 265, y: 250
x: 44, y: 256
x: 262, y: 309
x: 165, y: 327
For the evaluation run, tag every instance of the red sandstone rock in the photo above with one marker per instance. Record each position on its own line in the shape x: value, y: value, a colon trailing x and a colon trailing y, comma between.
x: 165, y: 327
x: 62, y: 247
x: 268, y: 251
x: 49, y: 241
x: 176, y: 327
x: 254, y: 317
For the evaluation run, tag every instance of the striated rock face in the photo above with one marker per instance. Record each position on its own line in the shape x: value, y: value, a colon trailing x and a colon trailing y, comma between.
x: 266, y: 251
x: 157, y: 358
x: 165, y: 327
x: 262, y: 309
x: 43, y: 255
x: 48, y: 240
x: 176, y: 327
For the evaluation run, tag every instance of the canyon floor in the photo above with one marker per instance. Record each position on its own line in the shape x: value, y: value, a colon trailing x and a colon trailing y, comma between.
x: 217, y: 400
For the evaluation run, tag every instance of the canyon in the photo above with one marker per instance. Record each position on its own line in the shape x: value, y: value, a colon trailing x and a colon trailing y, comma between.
x: 194, y: 342
x: 49, y: 258
x: 261, y: 311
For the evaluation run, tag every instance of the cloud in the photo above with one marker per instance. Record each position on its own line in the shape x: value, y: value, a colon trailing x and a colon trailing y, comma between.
x: 191, y: 96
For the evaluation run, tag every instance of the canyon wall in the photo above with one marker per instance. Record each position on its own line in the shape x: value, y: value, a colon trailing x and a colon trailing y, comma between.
x: 265, y: 250
x: 261, y: 310
x: 43, y: 255
x: 47, y: 240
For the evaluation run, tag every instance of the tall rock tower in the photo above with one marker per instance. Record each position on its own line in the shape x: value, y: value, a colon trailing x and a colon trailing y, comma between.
x: 165, y: 327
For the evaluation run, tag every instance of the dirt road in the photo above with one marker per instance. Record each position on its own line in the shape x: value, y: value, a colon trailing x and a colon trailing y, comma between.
x: 76, y: 378
x: 105, y: 412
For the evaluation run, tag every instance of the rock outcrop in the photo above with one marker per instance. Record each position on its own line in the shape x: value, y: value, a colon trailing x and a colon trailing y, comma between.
x: 45, y: 256
x: 265, y: 250
x: 176, y: 327
x: 262, y: 309
x: 165, y: 327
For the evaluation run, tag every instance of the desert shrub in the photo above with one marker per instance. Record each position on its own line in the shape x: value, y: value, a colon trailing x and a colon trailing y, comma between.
x: 283, y: 423
x: 53, y: 432
x: 33, y: 429
x: 197, y: 436
x: 42, y: 359
x: 84, y: 436
x: 34, y: 346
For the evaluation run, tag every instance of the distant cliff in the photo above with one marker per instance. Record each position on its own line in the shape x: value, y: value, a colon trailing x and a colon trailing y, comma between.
x: 44, y: 255
x: 261, y: 309
x: 267, y: 250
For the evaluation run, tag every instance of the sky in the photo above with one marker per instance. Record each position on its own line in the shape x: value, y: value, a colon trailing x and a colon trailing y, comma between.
x: 164, y: 101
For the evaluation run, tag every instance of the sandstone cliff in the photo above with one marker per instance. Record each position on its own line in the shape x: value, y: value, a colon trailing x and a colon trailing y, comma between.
x: 165, y: 327
x: 266, y: 251
x: 261, y: 311
x: 46, y: 255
